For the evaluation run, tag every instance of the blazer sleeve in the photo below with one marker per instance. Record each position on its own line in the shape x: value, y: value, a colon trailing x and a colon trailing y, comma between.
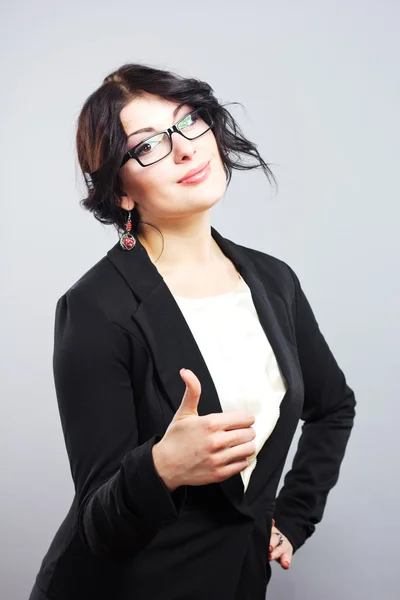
x: 328, y: 414
x: 121, y: 500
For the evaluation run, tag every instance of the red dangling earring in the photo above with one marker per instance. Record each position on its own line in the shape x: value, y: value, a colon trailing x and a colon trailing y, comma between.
x: 127, y: 240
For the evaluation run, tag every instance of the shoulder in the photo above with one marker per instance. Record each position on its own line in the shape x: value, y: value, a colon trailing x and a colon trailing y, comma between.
x: 101, y: 288
x: 279, y: 275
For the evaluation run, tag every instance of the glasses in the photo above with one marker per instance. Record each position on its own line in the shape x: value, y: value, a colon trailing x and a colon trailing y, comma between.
x: 158, y: 146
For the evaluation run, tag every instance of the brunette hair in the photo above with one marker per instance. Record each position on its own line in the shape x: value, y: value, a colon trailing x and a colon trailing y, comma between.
x: 101, y: 138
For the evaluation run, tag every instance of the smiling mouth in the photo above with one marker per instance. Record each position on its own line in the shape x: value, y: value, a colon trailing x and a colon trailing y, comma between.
x: 197, y: 176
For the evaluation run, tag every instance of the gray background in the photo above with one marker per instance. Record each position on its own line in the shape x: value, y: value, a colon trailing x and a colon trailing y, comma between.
x: 320, y: 85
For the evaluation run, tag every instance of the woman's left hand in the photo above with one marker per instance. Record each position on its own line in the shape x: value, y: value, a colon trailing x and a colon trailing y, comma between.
x: 284, y: 552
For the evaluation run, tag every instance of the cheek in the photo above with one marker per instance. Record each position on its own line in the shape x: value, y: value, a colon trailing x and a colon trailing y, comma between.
x: 149, y: 181
x: 218, y: 170
x: 212, y: 145
x: 217, y: 162
x: 218, y: 182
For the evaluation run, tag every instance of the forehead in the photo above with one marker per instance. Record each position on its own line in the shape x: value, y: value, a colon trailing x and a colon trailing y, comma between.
x: 147, y: 111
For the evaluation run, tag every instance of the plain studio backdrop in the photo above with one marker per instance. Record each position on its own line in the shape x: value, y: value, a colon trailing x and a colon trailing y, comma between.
x: 319, y: 82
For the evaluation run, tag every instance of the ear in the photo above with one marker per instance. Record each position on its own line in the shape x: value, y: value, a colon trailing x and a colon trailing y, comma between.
x: 126, y: 202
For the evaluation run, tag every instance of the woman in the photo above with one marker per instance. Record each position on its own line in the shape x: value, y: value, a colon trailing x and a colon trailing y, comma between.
x: 183, y: 362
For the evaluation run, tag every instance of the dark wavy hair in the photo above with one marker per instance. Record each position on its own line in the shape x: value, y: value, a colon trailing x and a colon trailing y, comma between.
x: 101, y: 138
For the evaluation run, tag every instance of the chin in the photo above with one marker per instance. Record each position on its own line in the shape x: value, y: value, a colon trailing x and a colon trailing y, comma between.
x: 206, y: 202
x: 210, y: 190
x: 205, y: 195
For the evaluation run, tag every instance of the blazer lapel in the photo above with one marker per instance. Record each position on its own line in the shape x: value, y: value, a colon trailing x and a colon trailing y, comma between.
x: 173, y: 346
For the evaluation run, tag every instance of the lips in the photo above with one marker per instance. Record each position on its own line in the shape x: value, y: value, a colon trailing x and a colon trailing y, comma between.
x: 190, y: 174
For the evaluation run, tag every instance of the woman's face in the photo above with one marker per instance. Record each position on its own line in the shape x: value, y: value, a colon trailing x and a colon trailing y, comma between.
x: 154, y: 189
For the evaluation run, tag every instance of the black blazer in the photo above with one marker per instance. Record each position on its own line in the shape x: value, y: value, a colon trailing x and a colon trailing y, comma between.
x: 120, y: 341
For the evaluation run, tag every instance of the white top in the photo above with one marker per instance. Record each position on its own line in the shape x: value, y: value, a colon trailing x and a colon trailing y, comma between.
x: 239, y: 357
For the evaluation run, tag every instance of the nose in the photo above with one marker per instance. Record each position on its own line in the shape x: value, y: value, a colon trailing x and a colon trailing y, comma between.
x: 183, y: 149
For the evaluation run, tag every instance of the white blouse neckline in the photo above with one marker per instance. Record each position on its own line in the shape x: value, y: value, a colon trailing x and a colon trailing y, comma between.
x: 240, y: 287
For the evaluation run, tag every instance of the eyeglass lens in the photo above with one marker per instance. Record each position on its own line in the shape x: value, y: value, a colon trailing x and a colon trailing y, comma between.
x: 158, y: 146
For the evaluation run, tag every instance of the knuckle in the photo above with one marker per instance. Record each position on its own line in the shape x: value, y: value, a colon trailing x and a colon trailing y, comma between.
x: 211, y: 423
x: 216, y: 471
x: 251, y: 448
x: 214, y: 461
x: 213, y: 445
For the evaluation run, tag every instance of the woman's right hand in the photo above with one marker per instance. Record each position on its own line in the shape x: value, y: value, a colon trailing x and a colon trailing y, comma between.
x: 199, y: 450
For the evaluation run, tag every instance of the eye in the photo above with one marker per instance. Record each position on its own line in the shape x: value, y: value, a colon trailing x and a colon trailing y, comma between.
x: 189, y: 120
x: 146, y: 148
x: 149, y: 145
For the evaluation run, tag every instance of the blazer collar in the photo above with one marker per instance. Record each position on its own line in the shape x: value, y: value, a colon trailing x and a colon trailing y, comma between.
x: 173, y: 346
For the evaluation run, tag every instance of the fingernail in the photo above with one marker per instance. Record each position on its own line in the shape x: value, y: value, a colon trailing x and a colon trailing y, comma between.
x: 286, y: 564
x: 270, y: 548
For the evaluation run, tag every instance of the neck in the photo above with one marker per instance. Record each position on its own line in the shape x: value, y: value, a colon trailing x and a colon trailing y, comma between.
x: 188, y: 243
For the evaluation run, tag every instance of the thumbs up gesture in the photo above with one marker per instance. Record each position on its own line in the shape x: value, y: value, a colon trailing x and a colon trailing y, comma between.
x: 197, y: 450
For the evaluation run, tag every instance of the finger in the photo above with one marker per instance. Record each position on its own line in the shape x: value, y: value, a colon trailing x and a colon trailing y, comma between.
x: 274, y: 540
x: 277, y: 552
x: 285, y: 560
x: 284, y: 548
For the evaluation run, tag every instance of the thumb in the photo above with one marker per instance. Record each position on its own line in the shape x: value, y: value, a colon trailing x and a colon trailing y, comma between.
x: 191, y: 396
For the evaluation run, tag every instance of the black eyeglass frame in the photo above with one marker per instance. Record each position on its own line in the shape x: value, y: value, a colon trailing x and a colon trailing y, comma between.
x: 132, y: 154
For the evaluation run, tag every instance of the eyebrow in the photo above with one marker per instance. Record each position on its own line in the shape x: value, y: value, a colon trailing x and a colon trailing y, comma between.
x: 150, y: 129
